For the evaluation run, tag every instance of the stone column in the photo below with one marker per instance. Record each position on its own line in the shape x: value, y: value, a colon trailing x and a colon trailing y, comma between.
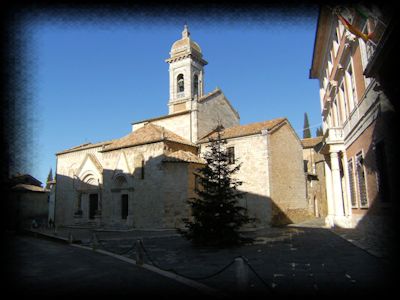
x: 329, y: 194
x: 336, y: 185
x: 98, y: 214
x: 99, y: 192
x: 346, y: 187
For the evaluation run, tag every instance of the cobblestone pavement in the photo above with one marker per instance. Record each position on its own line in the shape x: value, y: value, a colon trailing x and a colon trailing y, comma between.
x: 378, y: 242
x: 44, y: 268
x: 306, y: 259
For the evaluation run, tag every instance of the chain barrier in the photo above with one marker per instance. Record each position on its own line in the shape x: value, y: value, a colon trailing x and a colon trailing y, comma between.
x: 258, y: 275
x: 119, y: 253
x: 155, y: 264
x: 98, y: 242
x: 175, y: 272
x: 211, y: 275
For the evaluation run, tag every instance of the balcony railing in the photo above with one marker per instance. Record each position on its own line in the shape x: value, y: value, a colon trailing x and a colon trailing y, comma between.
x: 334, y: 135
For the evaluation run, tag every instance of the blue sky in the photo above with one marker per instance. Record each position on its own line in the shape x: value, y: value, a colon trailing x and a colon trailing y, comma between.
x: 89, y: 80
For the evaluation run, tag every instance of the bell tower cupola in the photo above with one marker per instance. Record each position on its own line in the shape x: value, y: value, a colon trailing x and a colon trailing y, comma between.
x: 186, y: 73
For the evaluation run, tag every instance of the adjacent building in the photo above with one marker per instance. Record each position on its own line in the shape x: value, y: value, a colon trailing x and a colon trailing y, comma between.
x: 272, y: 170
x: 357, y: 115
x: 28, y: 201
x: 314, y: 164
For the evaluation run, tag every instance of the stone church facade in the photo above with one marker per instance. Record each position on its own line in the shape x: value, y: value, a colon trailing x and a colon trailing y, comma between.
x: 144, y: 179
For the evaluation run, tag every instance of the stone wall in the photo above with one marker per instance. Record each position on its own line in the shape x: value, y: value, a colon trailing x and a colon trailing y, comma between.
x: 27, y: 205
x: 288, y: 182
x: 68, y: 165
x: 251, y: 151
x: 316, y: 190
x: 180, y: 124
x: 155, y: 201
x: 175, y: 193
x: 213, y: 111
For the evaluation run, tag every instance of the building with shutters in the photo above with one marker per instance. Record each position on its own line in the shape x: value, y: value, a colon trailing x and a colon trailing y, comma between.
x: 357, y: 115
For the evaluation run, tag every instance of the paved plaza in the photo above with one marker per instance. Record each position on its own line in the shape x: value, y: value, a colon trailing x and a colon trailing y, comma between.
x: 306, y: 260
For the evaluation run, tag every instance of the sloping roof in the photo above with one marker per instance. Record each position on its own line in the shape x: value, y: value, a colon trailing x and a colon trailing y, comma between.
x: 205, y: 97
x: 215, y: 93
x: 244, y: 130
x: 183, y: 156
x: 85, y: 146
x: 149, y: 133
x: 163, y: 117
x: 29, y: 187
x: 25, y: 179
x: 311, y: 142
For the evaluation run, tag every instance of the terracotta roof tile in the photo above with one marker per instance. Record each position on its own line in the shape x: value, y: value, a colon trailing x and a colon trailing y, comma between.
x: 311, y: 142
x: 28, y: 187
x: 149, y: 133
x: 163, y: 117
x: 183, y: 156
x: 205, y: 97
x: 244, y: 130
x: 85, y: 146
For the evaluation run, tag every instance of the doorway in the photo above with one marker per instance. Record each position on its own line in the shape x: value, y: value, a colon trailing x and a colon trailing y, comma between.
x: 93, y: 205
x: 124, y: 206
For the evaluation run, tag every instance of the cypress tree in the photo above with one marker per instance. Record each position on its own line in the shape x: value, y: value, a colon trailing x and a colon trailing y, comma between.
x: 319, y: 131
x: 306, y: 127
x: 49, y: 178
x: 216, y: 215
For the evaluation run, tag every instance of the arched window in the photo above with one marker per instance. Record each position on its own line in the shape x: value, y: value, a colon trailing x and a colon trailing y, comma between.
x: 89, y: 181
x: 195, y: 84
x: 120, y: 181
x: 180, y: 83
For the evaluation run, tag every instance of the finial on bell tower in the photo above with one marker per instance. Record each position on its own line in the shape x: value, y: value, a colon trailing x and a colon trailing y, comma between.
x: 185, y: 32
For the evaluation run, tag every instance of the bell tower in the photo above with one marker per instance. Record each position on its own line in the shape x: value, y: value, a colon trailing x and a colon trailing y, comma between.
x: 186, y: 73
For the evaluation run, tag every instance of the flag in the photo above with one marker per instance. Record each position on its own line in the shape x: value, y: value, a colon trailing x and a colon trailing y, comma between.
x: 354, y: 30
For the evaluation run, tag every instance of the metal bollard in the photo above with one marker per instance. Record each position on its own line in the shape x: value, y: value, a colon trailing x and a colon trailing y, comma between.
x: 70, y: 239
x: 242, y: 274
x: 139, y: 253
x: 94, y: 241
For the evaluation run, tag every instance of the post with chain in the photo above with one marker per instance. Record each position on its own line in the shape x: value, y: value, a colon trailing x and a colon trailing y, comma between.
x: 94, y: 241
x: 139, y: 253
x: 242, y: 274
x: 70, y: 238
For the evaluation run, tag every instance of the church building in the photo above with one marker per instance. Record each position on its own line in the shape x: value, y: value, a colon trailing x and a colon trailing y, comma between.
x: 144, y: 179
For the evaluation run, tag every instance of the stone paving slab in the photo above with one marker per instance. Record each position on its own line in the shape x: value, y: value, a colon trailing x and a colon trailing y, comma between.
x: 307, y: 261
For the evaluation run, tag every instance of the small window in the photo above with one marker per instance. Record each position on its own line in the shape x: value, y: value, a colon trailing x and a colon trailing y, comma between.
x: 351, y: 86
x: 195, y: 84
x: 351, y: 183
x: 231, y: 155
x: 180, y: 83
x: 305, y: 165
x: 362, y: 191
x: 142, y: 170
x: 343, y: 99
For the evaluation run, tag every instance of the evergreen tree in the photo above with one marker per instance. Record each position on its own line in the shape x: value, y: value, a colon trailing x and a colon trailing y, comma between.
x: 306, y: 127
x: 49, y: 178
x: 319, y: 131
x: 216, y: 215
